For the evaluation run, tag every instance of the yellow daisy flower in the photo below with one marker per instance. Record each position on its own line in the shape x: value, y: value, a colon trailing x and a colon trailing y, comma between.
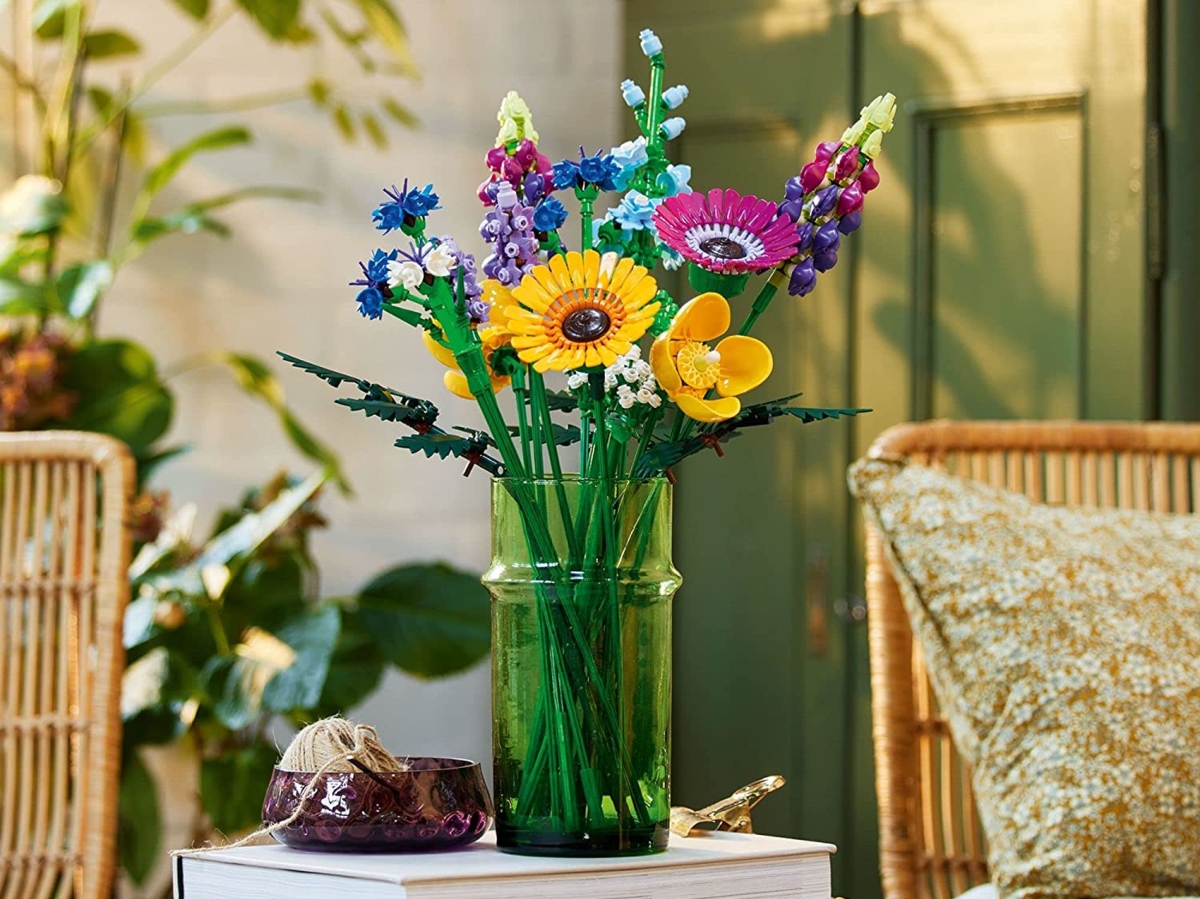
x: 580, y: 310
x: 687, y: 368
x: 493, y: 335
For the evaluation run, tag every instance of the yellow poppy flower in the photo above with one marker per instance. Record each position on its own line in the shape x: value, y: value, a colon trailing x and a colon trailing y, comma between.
x: 580, y: 310
x: 493, y: 335
x: 687, y: 368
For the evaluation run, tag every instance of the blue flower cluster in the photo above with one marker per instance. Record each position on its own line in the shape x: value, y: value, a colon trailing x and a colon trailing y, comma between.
x: 374, y: 284
x: 549, y: 215
x: 598, y: 169
x: 404, y: 206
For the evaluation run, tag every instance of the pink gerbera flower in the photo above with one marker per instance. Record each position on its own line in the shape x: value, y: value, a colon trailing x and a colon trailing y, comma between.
x: 725, y: 232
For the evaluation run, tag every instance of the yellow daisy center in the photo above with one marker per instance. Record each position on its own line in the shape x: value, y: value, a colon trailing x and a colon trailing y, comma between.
x: 699, y: 365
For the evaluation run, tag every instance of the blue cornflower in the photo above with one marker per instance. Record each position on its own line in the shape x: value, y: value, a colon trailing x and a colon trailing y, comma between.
x: 370, y: 302
x: 549, y: 215
x: 418, y: 203
x: 598, y: 170
x: 403, y: 204
x: 566, y: 174
x: 375, y: 269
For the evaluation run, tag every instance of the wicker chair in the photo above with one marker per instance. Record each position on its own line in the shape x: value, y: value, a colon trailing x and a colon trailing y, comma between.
x: 931, y: 843
x: 64, y: 553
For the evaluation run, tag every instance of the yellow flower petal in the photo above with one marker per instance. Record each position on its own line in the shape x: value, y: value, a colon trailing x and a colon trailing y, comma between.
x: 704, y: 318
x: 440, y: 353
x: 745, y: 363
x: 593, y: 356
x: 641, y: 294
x: 533, y: 353
x: 456, y: 383
x: 620, y: 273
x: 708, y: 411
x: 560, y: 268
x: 530, y: 295
x: 590, y: 270
x: 663, y: 366
x: 525, y: 341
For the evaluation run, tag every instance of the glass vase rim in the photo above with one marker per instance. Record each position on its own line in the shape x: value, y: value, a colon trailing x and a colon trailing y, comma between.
x: 578, y: 479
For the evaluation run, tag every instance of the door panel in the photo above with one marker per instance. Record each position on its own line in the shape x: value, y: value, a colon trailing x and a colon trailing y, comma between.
x: 999, y: 273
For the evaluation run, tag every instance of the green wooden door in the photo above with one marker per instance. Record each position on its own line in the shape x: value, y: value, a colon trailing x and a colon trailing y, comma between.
x: 999, y: 273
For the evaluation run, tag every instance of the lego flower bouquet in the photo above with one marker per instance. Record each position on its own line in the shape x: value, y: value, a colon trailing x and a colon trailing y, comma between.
x: 573, y: 350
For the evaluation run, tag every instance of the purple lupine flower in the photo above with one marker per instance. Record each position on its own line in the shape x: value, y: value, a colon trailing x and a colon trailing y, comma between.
x: 850, y: 223
x: 827, y: 238
x: 804, y: 237
x: 803, y: 280
x: 821, y: 204
x: 823, y: 262
x: 534, y: 187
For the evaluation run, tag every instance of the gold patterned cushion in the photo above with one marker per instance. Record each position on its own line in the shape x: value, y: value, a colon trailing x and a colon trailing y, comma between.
x: 1064, y: 648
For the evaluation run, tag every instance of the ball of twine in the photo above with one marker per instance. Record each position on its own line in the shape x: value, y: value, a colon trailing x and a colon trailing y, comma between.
x: 328, y: 746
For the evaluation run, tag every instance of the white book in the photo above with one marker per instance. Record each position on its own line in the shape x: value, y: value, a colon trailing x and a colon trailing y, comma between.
x: 711, y: 866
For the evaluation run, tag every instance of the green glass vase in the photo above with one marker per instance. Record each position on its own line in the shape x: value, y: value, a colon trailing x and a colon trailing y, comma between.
x: 581, y: 583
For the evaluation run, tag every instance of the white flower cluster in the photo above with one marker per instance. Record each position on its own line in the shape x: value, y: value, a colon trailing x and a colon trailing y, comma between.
x: 409, y: 274
x: 630, y: 376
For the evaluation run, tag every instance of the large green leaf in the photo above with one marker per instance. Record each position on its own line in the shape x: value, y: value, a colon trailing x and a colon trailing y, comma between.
x: 355, y: 669
x: 235, y: 692
x: 220, y: 139
x: 105, y: 44
x: 155, y: 691
x: 240, y: 540
x: 254, y: 377
x: 277, y: 18
x: 81, y: 285
x: 19, y: 297
x: 266, y: 594
x: 120, y: 393
x: 313, y: 636
x: 232, y: 786
x: 138, y: 825
x: 429, y: 620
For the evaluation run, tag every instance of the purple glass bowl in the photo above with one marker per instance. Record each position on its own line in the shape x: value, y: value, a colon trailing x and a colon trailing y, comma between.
x: 436, y: 804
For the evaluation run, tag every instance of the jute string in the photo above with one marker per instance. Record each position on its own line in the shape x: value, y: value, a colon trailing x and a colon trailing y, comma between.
x: 328, y: 746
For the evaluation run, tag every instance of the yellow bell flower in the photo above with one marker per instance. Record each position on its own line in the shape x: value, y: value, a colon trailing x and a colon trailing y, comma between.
x: 688, y: 368
x: 492, y: 335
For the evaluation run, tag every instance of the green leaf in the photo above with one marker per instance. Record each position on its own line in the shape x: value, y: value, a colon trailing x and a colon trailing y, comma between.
x: 49, y: 17
x: 235, y: 694
x: 148, y: 229
x: 313, y: 636
x: 18, y: 297
x: 563, y: 436
x: 375, y: 130
x: 355, y: 669
x: 402, y: 115
x: 345, y: 124
x: 152, y: 460
x: 241, y: 539
x: 383, y: 23
x: 256, y: 379
x: 197, y: 9
x: 232, y: 786
x: 120, y: 393
x: 138, y: 824
x: 220, y: 139
x: 561, y: 401
x: 319, y: 91
x: 81, y: 285
x: 429, y: 620
x: 155, y: 690
x: 276, y: 17
x: 35, y: 211
x: 106, y: 44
